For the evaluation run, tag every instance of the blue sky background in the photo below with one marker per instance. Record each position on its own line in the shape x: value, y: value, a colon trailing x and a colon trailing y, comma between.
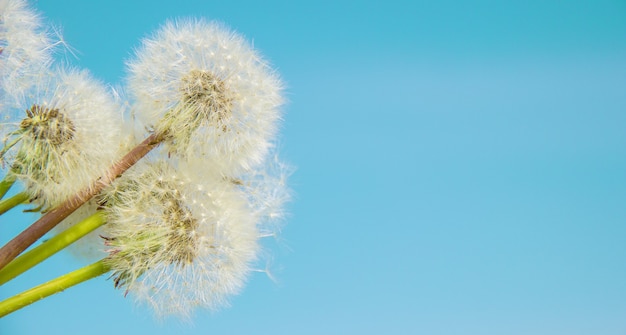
x: 461, y: 169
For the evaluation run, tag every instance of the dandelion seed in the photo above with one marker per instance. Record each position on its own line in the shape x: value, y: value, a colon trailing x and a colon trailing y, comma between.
x: 212, y: 94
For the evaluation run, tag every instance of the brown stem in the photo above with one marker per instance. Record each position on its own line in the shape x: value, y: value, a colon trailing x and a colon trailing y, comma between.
x: 31, y: 234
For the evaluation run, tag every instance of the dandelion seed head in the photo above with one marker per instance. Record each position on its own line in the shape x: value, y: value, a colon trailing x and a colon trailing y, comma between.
x: 175, y: 247
x: 208, y: 96
x: 46, y: 124
x: 71, y: 133
x: 209, y: 90
x: 26, y: 49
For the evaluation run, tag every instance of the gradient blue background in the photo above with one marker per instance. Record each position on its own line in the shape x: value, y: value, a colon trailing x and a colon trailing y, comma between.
x: 461, y: 169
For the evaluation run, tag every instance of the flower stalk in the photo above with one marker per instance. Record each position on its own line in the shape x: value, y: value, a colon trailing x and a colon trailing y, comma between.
x: 7, y: 204
x: 31, y: 234
x: 54, y: 286
x: 50, y: 247
x: 6, y: 183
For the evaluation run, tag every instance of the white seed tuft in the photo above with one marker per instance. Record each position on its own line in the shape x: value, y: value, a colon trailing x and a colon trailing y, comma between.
x: 70, y: 135
x: 212, y: 94
x: 26, y: 48
x: 177, y: 242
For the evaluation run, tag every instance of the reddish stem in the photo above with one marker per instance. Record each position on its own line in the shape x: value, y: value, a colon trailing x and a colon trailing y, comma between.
x: 31, y: 234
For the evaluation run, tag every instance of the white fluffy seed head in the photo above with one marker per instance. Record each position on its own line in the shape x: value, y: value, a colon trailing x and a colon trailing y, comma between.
x: 70, y: 135
x: 209, y: 91
x: 26, y: 48
x: 176, y: 241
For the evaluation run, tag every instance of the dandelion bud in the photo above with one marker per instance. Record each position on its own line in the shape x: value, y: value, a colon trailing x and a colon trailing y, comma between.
x: 178, y: 240
x: 208, y: 92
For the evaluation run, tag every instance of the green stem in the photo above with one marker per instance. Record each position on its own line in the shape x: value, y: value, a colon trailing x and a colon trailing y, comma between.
x: 6, y: 184
x: 13, y: 201
x: 31, y: 234
x: 50, y: 247
x: 54, y: 286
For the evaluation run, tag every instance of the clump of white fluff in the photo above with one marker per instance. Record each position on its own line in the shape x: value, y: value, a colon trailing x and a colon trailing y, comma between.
x: 70, y: 135
x: 209, y: 92
x: 177, y: 238
x: 25, y: 49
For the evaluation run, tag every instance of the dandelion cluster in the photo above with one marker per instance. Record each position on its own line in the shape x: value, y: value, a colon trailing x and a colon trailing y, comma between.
x: 183, y: 226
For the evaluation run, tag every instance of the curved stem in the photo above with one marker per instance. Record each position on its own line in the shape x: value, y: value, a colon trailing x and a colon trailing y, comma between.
x: 52, y: 218
x: 51, y: 246
x: 54, y: 286
x: 7, y: 204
